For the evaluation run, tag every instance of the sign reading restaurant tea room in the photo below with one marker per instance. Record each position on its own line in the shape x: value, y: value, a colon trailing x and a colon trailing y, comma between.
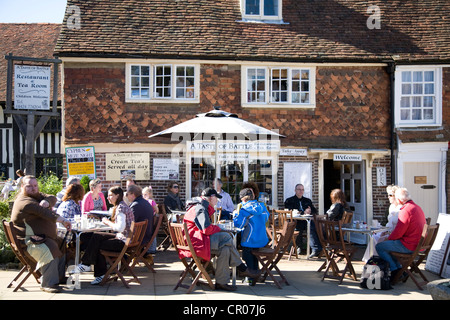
x: 81, y: 162
x: 123, y: 166
x: 32, y: 87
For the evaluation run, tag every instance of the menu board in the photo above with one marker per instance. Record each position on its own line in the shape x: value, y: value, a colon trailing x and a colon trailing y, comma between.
x: 438, y: 260
x: 295, y: 173
x: 166, y: 169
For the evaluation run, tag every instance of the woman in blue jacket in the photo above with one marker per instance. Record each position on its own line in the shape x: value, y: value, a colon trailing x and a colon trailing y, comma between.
x: 252, y: 217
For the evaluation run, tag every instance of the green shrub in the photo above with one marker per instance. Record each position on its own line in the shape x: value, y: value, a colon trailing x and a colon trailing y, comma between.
x: 85, y: 183
x: 50, y: 184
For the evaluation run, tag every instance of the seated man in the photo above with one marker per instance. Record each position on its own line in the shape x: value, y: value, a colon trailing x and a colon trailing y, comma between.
x: 225, y: 202
x: 304, y: 206
x: 407, y: 232
x: 252, y: 217
x: 141, y: 208
x: 208, y: 239
x: 35, y: 223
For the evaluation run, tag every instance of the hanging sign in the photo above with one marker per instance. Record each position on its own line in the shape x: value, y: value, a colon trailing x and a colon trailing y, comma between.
x: 32, y: 87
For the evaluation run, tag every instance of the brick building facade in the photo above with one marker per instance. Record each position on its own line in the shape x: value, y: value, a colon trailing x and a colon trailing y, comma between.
x: 317, y: 74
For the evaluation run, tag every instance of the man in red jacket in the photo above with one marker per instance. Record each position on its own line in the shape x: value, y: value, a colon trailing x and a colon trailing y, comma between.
x: 407, y: 233
x: 207, y: 238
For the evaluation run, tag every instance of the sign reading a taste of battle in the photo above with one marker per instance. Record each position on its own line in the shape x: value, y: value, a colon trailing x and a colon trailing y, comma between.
x: 123, y: 166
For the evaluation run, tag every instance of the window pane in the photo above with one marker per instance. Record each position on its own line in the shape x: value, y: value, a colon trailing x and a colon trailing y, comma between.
x: 428, y: 114
x: 429, y: 88
x: 418, y: 88
x: 405, y: 102
x: 135, y: 70
x: 406, y: 88
x: 417, y: 114
x: 429, y: 76
x: 305, y: 98
x: 295, y: 97
x: 135, y: 81
x: 428, y: 102
x: 406, y: 76
x: 417, y: 102
x: 404, y: 114
x: 145, y: 81
x: 305, y: 74
x: 145, y: 70
x: 252, y: 7
x: 270, y: 7
x: 417, y: 76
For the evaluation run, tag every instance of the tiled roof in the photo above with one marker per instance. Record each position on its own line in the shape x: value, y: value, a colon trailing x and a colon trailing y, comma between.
x: 313, y: 30
x: 36, y: 40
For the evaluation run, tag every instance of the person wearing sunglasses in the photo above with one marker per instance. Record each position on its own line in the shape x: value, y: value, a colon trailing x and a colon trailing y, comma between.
x: 172, y: 201
x: 394, y: 209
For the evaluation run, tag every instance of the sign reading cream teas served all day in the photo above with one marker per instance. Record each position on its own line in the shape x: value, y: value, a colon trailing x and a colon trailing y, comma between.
x: 347, y: 157
x: 123, y: 166
x: 81, y: 162
x: 32, y: 87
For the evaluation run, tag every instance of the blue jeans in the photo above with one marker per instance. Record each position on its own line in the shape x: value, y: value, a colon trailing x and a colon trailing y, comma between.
x: 384, y: 248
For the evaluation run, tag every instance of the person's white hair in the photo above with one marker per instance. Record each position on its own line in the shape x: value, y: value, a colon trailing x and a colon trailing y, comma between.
x: 402, y: 194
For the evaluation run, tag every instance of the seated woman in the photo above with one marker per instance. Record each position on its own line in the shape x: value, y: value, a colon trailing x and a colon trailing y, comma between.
x: 94, y: 199
x: 172, y: 201
x: 93, y: 242
x: 338, y: 205
x: 252, y: 217
x: 394, y: 209
x: 70, y: 206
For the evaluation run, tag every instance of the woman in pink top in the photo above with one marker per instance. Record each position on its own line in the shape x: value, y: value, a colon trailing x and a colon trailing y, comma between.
x: 94, y: 199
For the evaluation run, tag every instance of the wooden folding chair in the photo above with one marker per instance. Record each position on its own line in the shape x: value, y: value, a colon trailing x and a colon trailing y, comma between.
x: 269, y: 257
x: 183, y: 244
x: 347, y: 217
x: 409, y: 262
x: 145, y: 246
x: 165, y: 228
x: 331, y: 237
x: 132, y: 244
x: 282, y: 216
x: 28, y: 262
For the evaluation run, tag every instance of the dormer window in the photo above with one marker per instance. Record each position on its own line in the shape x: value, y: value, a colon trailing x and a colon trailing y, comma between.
x: 261, y: 10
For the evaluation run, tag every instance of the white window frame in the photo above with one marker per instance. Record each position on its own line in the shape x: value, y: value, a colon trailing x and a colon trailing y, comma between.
x: 437, y: 121
x: 268, y: 101
x: 153, y: 98
x: 261, y: 16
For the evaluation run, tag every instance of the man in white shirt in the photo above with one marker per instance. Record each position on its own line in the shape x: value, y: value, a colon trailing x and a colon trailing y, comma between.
x: 225, y: 203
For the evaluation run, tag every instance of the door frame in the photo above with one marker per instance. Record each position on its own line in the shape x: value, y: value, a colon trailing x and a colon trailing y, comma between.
x: 369, y: 155
x: 425, y: 152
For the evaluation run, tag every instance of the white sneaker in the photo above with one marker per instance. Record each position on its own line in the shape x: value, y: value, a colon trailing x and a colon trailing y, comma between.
x: 98, y: 280
x: 80, y: 269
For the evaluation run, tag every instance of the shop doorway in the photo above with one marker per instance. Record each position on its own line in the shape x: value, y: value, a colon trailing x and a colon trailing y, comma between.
x: 350, y: 178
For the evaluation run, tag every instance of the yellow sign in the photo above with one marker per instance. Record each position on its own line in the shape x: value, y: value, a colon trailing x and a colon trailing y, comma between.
x: 81, y: 162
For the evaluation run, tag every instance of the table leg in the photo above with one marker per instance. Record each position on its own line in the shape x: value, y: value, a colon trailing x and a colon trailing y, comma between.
x: 308, y: 237
x: 233, y: 269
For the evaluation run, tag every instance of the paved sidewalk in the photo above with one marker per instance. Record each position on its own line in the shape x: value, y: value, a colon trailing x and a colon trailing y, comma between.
x: 305, y: 284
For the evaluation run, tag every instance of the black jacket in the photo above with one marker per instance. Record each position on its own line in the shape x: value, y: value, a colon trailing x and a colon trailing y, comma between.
x: 300, y: 204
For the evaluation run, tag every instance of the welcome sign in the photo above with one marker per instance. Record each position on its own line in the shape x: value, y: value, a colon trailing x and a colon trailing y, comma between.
x: 32, y: 87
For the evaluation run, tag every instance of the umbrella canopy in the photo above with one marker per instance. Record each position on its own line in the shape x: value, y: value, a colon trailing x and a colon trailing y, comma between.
x: 215, y: 123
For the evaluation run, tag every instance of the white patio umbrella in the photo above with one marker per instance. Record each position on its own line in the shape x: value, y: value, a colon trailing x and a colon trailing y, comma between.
x: 216, y: 124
